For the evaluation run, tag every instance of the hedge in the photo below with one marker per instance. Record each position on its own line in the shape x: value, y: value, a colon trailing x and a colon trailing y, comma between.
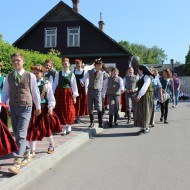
x: 31, y: 57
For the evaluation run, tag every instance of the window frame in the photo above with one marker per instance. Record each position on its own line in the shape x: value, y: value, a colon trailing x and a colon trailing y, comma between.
x: 45, y: 36
x: 73, y: 36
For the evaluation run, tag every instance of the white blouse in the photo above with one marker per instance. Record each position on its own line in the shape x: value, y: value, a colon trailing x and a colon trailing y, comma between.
x: 147, y: 81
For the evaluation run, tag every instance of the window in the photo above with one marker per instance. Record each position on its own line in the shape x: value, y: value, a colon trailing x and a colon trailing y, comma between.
x: 73, y: 36
x: 50, y: 37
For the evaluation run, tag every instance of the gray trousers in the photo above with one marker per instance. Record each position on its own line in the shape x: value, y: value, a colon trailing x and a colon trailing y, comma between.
x: 130, y: 101
x: 94, y: 98
x: 114, y: 101
x: 20, y: 118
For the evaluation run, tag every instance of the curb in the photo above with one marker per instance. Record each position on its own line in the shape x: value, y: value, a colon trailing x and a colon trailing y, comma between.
x: 37, y: 167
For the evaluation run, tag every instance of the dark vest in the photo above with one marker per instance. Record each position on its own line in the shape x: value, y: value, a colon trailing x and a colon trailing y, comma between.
x: 20, y: 95
x: 113, y: 86
x: 78, y: 77
x: 131, y: 82
x: 64, y: 81
x: 95, y: 82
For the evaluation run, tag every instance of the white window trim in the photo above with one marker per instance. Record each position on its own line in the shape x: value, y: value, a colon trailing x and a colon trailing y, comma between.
x: 45, y: 40
x: 68, y: 28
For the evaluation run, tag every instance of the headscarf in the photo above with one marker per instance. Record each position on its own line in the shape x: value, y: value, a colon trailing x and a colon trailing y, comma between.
x: 146, y: 70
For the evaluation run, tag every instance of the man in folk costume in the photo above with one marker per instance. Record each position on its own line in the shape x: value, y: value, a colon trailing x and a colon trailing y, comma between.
x: 130, y: 81
x: 50, y: 71
x: 95, y: 77
x: 114, y: 87
x: 47, y: 122
x: 66, y: 91
x: 21, y: 89
x: 144, y: 100
x: 81, y: 107
x: 105, y: 76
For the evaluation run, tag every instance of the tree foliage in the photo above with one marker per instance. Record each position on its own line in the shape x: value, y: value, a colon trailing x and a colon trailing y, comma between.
x: 187, y: 61
x: 31, y: 57
x: 153, y: 55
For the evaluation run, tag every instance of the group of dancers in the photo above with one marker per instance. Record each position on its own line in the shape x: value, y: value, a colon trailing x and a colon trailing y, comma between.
x: 44, y: 101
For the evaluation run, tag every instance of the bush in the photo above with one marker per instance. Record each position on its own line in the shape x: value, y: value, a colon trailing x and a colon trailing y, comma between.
x: 31, y: 57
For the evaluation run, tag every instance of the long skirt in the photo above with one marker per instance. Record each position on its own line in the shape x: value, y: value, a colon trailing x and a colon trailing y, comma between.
x: 43, y: 125
x: 64, y: 108
x: 123, y: 103
x: 7, y: 142
x: 143, y: 110
x: 4, y: 114
x: 81, y: 107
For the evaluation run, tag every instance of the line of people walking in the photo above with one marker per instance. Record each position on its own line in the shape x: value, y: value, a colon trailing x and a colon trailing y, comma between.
x: 45, y: 101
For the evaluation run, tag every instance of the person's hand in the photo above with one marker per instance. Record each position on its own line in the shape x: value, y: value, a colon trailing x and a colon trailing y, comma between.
x: 82, y: 84
x: 50, y: 111
x: 103, y: 99
x: 138, y: 98
x: 37, y: 112
x: 163, y: 91
x: 74, y: 100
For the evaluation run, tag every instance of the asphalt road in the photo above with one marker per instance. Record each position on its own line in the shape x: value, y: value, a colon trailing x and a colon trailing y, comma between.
x: 118, y: 159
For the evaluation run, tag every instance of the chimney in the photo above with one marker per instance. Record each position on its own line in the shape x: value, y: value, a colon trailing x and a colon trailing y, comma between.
x: 101, y: 23
x: 75, y: 5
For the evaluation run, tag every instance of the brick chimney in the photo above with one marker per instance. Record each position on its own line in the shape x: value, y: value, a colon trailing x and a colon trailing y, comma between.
x: 75, y: 5
x: 101, y: 23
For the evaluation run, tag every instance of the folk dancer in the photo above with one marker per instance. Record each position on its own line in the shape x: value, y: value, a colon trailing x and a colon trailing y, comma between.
x: 144, y: 100
x: 47, y: 122
x: 81, y: 107
x: 130, y: 81
x: 95, y: 77
x: 21, y: 89
x: 66, y: 91
x: 114, y: 87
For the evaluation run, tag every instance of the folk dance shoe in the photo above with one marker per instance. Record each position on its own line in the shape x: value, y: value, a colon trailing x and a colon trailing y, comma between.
x: 15, y: 169
x: 27, y: 158
x: 91, y: 121
x: 100, y: 120
x: 50, y: 149
x: 33, y: 153
x: 64, y: 131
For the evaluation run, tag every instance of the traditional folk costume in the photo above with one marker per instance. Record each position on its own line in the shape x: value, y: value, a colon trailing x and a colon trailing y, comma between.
x: 144, y: 107
x: 94, y: 93
x: 50, y: 75
x: 130, y: 94
x: 65, y: 90
x: 4, y: 109
x: 45, y: 124
x: 21, y: 89
x: 81, y: 107
x: 7, y: 142
x: 113, y: 86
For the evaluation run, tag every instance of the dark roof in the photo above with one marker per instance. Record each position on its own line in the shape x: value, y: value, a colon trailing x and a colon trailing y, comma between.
x: 61, y: 3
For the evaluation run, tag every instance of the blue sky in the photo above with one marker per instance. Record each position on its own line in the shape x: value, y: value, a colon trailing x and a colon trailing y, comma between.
x: 164, y: 23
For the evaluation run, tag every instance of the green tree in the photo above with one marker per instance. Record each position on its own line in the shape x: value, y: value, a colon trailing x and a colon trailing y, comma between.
x: 187, y: 61
x: 153, y: 55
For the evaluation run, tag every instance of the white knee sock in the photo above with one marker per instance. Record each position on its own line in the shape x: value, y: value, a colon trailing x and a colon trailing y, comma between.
x: 64, y: 129
x: 32, y: 145
x: 50, y: 140
x: 69, y: 128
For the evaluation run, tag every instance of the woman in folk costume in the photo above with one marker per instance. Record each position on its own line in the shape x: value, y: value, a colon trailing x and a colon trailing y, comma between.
x: 144, y: 100
x: 50, y: 71
x: 7, y: 142
x: 3, y: 109
x: 81, y: 107
x: 47, y: 122
x: 114, y: 87
x: 66, y: 91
